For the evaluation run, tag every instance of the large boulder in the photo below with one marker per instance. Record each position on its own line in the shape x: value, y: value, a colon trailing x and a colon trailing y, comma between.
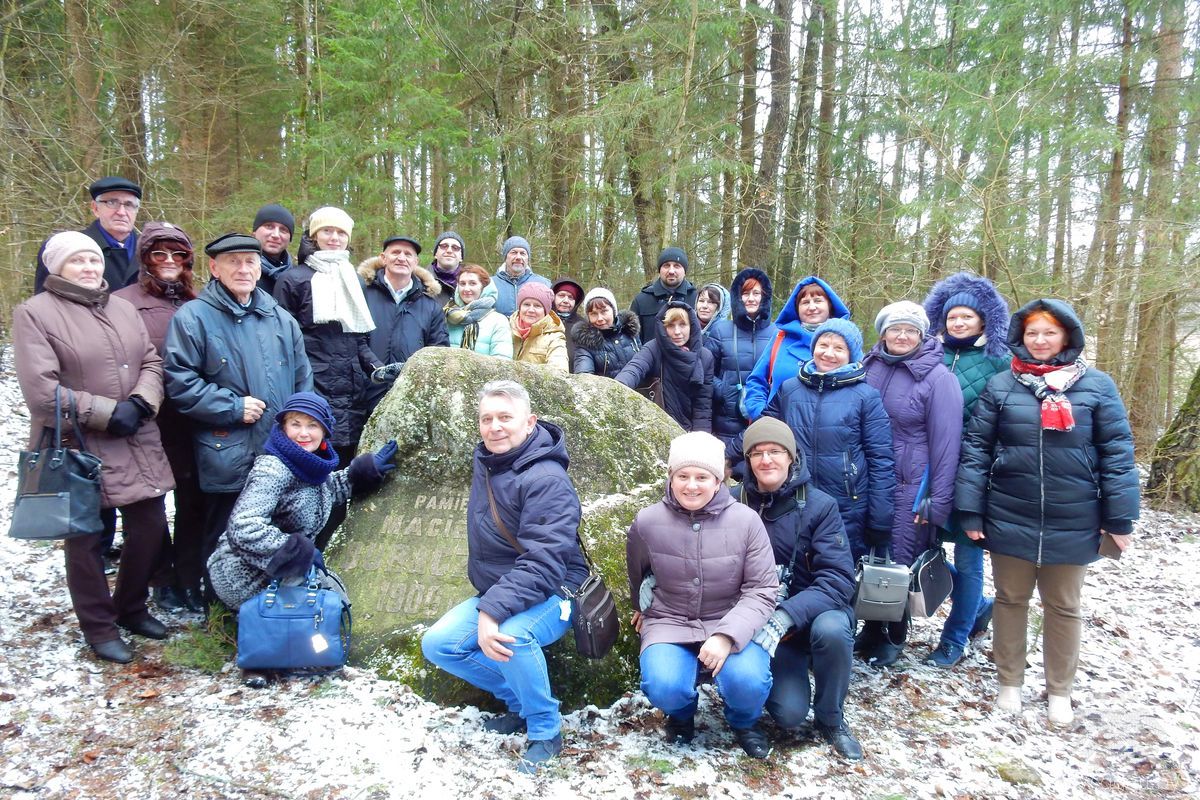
x: 403, y: 550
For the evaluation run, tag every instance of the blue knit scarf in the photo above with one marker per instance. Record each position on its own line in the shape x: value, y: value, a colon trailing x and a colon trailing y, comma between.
x: 311, y: 468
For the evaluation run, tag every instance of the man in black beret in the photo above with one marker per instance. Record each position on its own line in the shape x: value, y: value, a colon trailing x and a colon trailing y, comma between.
x: 115, y: 204
x: 274, y: 226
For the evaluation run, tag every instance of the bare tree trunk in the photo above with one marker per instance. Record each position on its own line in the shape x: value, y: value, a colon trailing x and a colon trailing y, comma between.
x: 85, y: 85
x: 823, y: 212
x: 795, y: 178
x: 674, y: 142
x: 747, y: 112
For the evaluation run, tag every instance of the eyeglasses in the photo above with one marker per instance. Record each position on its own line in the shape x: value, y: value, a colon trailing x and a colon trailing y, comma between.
x: 128, y: 205
x: 179, y: 256
x: 904, y: 330
x: 451, y: 246
x: 761, y: 455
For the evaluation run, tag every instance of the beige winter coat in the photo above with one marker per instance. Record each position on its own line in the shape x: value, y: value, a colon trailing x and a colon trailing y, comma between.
x: 545, y: 344
x: 96, y: 345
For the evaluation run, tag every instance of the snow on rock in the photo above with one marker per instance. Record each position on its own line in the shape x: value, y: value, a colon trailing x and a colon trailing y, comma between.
x: 72, y: 726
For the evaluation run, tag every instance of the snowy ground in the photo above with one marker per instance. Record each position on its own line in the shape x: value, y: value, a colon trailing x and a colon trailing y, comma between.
x: 72, y: 726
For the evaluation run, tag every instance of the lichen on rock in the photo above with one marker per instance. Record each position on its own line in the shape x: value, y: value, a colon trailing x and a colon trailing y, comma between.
x: 403, y: 550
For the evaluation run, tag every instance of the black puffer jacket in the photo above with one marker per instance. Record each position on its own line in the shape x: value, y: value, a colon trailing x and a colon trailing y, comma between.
x: 538, y: 504
x: 341, y: 362
x: 653, y: 298
x: 685, y: 375
x: 606, y: 352
x: 1043, y: 495
x: 803, y: 520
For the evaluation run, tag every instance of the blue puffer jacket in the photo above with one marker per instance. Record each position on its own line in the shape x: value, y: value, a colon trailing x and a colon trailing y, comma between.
x: 804, y: 521
x: 736, y: 345
x: 841, y: 427
x: 538, y: 504
x: 924, y: 402
x: 795, y: 350
x: 507, y: 288
x: 217, y: 354
x: 1043, y: 495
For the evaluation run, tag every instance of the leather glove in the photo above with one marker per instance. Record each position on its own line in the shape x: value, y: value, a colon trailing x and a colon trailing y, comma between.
x: 126, y: 418
x: 878, y: 538
x: 771, y: 634
x: 383, y: 458
x: 387, y: 373
x: 646, y: 592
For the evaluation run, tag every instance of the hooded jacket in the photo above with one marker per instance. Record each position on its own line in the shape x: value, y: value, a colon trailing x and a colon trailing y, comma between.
x: 507, y: 287
x: 841, y: 426
x: 653, y: 298
x: 341, y: 360
x: 737, y: 345
x: 714, y: 570
x: 685, y: 375
x: 538, y: 504
x: 924, y: 403
x: 806, y: 531
x: 1044, y: 495
x: 96, y: 345
x: 403, y: 328
x: 218, y: 353
x: 546, y: 342
x: 975, y: 364
x: 606, y: 352
x: 495, y: 336
x: 794, y: 350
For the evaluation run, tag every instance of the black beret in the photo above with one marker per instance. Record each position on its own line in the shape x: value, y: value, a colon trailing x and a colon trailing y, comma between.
x: 112, y: 183
x: 232, y: 243
x: 393, y: 239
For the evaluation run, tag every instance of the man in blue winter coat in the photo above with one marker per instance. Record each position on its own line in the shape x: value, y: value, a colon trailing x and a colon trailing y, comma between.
x: 523, y: 558
x: 514, y: 273
x: 813, y: 624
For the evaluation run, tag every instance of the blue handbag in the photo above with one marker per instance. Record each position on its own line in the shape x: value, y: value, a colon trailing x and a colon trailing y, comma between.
x: 294, y: 627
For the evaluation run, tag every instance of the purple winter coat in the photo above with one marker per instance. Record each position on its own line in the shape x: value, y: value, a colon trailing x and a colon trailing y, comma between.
x: 715, y: 571
x: 924, y: 402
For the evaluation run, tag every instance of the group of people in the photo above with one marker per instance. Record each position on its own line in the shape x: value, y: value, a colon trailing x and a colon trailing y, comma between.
x: 962, y: 424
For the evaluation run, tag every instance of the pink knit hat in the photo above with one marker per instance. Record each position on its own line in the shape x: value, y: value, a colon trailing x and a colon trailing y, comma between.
x: 536, y: 290
x: 61, y: 246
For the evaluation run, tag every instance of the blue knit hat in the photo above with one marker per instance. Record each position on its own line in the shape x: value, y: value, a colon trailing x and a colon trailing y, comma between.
x: 312, y: 404
x: 845, y: 329
x: 515, y: 241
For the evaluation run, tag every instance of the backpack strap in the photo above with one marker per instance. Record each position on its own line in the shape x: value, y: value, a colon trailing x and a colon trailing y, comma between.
x: 774, y: 352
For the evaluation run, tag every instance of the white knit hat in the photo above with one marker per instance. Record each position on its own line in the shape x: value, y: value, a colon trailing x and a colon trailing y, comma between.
x: 602, y: 294
x: 330, y: 217
x: 61, y: 246
x: 697, y: 449
x: 900, y: 313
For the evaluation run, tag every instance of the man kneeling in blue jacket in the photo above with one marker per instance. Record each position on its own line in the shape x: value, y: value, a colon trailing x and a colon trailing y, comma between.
x: 813, y: 623
x: 523, y: 555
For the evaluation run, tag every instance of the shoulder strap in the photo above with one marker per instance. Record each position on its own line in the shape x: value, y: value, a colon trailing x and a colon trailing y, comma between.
x: 774, y: 352
x: 499, y: 522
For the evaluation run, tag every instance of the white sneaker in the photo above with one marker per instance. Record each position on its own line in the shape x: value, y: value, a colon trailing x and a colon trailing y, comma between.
x: 1009, y: 699
x: 1060, y: 712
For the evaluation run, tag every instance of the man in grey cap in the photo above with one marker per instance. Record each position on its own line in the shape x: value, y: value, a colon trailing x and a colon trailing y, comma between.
x: 273, y: 227
x: 514, y: 273
x: 449, y: 252
x: 115, y: 204
x: 233, y: 357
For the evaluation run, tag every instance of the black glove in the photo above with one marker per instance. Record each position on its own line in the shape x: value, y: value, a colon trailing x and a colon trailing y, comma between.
x: 386, y: 373
x: 879, y: 538
x: 126, y: 418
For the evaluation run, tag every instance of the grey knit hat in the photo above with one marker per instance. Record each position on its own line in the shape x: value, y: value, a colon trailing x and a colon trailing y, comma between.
x: 768, y: 430
x: 901, y: 313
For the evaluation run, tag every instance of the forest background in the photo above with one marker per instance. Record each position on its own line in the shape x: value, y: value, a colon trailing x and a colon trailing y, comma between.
x: 1052, y: 146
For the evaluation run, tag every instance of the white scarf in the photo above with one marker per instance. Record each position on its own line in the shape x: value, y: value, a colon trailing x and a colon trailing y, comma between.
x: 337, y: 295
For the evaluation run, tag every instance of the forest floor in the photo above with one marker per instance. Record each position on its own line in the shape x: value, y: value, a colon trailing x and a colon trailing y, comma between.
x: 75, y: 727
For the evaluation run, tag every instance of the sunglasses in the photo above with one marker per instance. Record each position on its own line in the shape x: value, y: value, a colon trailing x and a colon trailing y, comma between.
x: 161, y: 256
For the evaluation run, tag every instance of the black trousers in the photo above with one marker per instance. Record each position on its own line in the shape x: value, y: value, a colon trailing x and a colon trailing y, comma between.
x: 98, y: 611
x: 181, y: 562
x: 218, y: 506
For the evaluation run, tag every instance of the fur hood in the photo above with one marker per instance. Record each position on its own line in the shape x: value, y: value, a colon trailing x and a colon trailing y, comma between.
x: 991, y: 305
x: 369, y: 271
x: 590, y: 338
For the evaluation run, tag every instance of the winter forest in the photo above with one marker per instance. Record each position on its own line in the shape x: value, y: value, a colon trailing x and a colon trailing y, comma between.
x: 1053, y: 147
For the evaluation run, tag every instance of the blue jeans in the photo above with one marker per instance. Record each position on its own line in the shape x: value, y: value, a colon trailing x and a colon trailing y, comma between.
x: 669, y: 681
x: 825, y: 649
x: 966, y: 599
x: 522, y: 682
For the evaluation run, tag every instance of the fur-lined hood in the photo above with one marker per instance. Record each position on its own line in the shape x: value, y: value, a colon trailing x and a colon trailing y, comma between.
x: 590, y: 338
x: 369, y: 272
x: 991, y: 305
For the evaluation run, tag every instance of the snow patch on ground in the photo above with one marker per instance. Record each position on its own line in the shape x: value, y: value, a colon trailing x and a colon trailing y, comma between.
x: 72, y: 726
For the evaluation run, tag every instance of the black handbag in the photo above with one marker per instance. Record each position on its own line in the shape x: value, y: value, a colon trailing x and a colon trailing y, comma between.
x: 932, y: 582
x: 58, y: 488
x: 594, y: 619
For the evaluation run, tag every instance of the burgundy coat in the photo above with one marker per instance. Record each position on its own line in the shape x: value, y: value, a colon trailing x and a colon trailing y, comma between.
x: 84, y: 340
x: 715, y: 571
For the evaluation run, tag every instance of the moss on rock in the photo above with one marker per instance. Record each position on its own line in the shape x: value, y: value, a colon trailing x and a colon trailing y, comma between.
x: 403, y: 550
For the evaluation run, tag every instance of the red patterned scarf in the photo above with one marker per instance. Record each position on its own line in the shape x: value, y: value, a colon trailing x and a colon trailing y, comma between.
x: 1049, y: 383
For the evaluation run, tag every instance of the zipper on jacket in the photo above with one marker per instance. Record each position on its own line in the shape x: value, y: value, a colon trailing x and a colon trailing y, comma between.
x: 954, y: 362
x: 1041, y: 493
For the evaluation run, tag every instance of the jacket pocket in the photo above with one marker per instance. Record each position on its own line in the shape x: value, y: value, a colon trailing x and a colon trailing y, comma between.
x: 223, y: 457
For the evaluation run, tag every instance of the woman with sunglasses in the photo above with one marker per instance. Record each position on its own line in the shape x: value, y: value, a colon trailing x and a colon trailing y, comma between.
x: 165, y: 282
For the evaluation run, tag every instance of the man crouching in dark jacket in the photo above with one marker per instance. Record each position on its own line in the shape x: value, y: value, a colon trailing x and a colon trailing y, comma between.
x: 523, y: 556
x: 813, y: 624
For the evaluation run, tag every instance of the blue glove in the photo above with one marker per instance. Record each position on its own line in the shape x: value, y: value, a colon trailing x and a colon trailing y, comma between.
x: 383, y: 458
